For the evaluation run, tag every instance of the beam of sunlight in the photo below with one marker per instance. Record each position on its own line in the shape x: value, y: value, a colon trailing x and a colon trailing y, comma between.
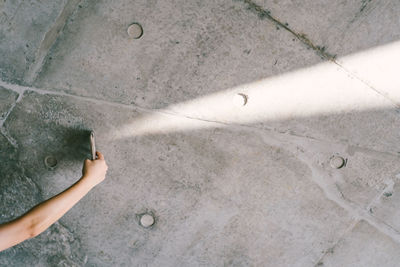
x: 379, y: 67
x: 322, y: 89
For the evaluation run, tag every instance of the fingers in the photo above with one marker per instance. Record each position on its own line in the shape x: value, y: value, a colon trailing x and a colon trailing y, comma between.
x: 99, y: 155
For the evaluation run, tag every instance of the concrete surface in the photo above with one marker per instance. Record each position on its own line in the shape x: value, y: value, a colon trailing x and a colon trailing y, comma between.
x: 228, y: 185
x: 7, y: 100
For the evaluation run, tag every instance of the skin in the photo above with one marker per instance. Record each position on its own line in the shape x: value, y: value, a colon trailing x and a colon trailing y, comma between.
x: 42, y: 216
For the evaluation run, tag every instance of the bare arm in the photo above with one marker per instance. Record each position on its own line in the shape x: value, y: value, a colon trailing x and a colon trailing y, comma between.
x: 48, y: 212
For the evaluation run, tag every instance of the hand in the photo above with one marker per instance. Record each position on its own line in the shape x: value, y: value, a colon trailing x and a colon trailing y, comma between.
x: 95, y: 171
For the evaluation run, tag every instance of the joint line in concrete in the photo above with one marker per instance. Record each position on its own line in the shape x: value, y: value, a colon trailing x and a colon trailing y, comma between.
x: 263, y: 13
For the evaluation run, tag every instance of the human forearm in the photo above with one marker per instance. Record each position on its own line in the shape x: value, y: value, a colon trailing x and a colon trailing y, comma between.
x: 43, y: 215
x: 46, y: 213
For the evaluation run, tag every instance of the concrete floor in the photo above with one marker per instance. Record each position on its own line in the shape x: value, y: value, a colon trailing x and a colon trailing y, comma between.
x: 228, y: 185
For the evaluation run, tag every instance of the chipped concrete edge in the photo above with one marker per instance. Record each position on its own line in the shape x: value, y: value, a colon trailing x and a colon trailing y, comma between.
x: 49, y: 40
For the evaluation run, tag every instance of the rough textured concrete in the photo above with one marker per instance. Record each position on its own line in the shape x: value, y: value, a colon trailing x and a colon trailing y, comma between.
x: 337, y: 27
x: 26, y: 29
x: 56, y: 246
x: 228, y: 185
x: 364, y: 246
x: 7, y: 100
x: 215, y: 197
x: 186, y: 51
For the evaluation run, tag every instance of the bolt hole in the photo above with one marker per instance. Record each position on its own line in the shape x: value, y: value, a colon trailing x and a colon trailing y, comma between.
x: 135, y: 30
x: 147, y: 220
x: 50, y: 162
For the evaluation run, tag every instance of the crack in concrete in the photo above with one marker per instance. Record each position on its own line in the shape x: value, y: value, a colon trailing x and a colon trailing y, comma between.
x: 332, y: 193
x: 40, y: 197
x: 20, y: 95
x: 3, y: 131
x: 349, y: 229
x: 354, y: 210
x: 263, y: 13
x: 55, y: 31
x: 58, y: 223
x: 375, y: 222
x: 355, y: 76
x: 364, y: 4
x: 49, y: 40
x: 19, y: 88
x: 9, y: 138
x: 321, y: 51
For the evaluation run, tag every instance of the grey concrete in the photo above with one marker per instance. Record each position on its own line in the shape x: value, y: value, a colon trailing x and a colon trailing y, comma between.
x: 227, y: 184
x: 27, y: 30
x: 364, y: 246
x: 55, y: 247
x: 340, y: 27
x: 7, y: 100
x: 186, y: 51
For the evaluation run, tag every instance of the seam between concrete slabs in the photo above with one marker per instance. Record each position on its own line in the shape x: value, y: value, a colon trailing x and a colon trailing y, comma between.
x: 70, y: 7
x: 20, y: 93
x: 355, y: 222
x: 342, y: 237
x: 264, y: 13
x: 21, y: 89
x: 41, y: 60
x: 355, y: 211
x: 355, y: 76
x: 2, y: 129
x: 50, y: 38
x: 318, y: 177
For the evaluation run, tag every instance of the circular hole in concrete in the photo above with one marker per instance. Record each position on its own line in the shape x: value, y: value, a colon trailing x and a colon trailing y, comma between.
x: 146, y: 220
x: 135, y: 30
x: 337, y: 162
x: 50, y: 162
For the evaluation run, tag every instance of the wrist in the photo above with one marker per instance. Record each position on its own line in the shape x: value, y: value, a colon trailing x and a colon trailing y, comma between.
x: 86, y: 182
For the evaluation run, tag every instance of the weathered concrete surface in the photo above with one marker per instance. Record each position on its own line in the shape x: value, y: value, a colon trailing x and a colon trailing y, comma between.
x: 23, y: 30
x: 385, y: 206
x: 227, y: 185
x: 56, y: 246
x: 340, y: 27
x: 363, y: 246
x: 361, y: 35
x: 7, y: 100
x: 199, y: 201
x: 378, y: 68
x: 188, y: 49
x: 323, y: 102
x: 213, y: 210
